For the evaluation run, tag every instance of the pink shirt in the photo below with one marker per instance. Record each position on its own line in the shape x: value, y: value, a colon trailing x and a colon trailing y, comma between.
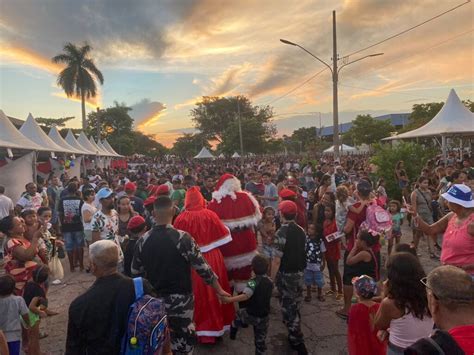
x: 458, y: 244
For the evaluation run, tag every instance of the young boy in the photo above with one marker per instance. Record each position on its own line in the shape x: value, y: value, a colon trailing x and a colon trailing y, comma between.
x: 315, y: 262
x: 257, y: 295
x: 12, y: 308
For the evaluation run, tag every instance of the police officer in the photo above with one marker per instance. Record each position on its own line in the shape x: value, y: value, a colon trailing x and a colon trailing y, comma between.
x: 289, y: 245
x: 165, y: 256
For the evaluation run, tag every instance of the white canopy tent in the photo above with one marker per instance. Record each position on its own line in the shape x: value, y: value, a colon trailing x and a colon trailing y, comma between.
x: 33, y: 131
x: 236, y: 155
x: 72, y: 141
x: 344, y: 149
x: 98, y: 149
x: 107, y: 145
x: 221, y: 155
x: 454, y: 119
x: 204, y: 154
x: 101, y: 146
x: 10, y: 137
x: 56, y: 137
x: 84, y: 141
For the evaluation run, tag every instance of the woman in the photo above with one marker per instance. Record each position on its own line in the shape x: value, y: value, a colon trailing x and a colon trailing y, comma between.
x: 421, y: 199
x: 323, y: 187
x: 404, y: 308
x: 87, y: 211
x: 328, y: 198
x: 125, y: 212
x: 20, y: 252
x: 458, y: 228
x: 402, y: 178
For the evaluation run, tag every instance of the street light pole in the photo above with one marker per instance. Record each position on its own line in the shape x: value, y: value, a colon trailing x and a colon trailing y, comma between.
x: 335, y: 74
x: 240, y: 128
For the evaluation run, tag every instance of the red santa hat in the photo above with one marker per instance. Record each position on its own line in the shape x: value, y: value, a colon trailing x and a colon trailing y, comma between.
x: 194, y: 201
x: 130, y: 186
x: 227, y: 185
x: 288, y: 208
x: 287, y: 194
x: 162, y: 190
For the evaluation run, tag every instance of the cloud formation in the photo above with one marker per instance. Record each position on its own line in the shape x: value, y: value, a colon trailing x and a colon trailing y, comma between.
x: 147, y: 113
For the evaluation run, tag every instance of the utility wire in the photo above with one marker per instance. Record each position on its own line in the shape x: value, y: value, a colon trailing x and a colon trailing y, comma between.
x: 387, y: 91
x: 408, y: 29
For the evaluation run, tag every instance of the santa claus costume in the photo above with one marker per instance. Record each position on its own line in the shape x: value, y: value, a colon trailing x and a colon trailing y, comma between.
x: 210, y: 317
x: 240, y: 212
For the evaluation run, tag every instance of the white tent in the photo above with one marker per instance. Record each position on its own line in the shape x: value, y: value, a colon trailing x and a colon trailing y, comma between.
x: 453, y: 119
x: 101, y: 146
x: 107, y: 145
x: 82, y: 140
x: 59, y: 140
x: 75, y: 144
x: 343, y: 148
x: 221, y: 155
x: 33, y: 131
x: 236, y: 155
x: 98, y: 149
x: 10, y: 137
x: 204, y: 154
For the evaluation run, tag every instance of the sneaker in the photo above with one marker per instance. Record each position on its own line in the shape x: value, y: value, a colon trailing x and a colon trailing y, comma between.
x: 233, y: 332
x: 56, y: 282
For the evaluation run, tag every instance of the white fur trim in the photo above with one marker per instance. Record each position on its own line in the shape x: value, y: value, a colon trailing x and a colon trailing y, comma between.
x: 249, y: 221
x: 239, y: 261
x: 212, y: 333
x: 228, y: 188
x: 238, y: 286
x: 217, y: 243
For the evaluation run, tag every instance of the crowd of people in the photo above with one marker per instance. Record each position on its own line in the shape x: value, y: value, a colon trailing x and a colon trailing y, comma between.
x: 215, y: 241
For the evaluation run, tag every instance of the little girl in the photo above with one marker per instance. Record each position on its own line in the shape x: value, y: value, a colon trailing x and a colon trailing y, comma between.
x: 361, y: 334
x: 32, y: 227
x: 381, y: 193
x: 333, y: 252
x: 267, y: 229
x: 394, y: 207
x: 315, y: 262
x: 361, y: 259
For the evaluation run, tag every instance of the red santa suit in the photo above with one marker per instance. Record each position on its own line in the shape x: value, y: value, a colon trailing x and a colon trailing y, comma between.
x: 210, y: 317
x: 240, y: 212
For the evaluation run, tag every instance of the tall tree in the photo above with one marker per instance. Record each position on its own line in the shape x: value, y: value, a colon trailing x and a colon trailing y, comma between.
x: 112, y: 121
x: 50, y: 122
x: 189, y: 144
x: 368, y: 130
x: 80, y: 75
x: 217, y: 118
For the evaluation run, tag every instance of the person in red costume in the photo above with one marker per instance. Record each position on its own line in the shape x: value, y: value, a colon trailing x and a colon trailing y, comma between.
x: 293, y: 193
x: 240, y: 212
x: 210, y: 316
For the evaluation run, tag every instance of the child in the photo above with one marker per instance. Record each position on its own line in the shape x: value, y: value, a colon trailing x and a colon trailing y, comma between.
x: 361, y: 259
x: 35, y: 297
x: 267, y: 229
x: 257, y: 295
x: 34, y: 227
x: 315, y: 262
x: 44, y: 218
x: 333, y: 252
x: 12, y: 308
x: 361, y: 335
x: 381, y: 193
x: 394, y: 207
x: 137, y: 228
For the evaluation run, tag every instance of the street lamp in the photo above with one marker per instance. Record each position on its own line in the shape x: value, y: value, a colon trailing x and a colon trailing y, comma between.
x: 335, y: 74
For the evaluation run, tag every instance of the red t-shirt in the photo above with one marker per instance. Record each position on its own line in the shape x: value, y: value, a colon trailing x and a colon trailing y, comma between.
x: 464, y: 336
x: 358, y: 218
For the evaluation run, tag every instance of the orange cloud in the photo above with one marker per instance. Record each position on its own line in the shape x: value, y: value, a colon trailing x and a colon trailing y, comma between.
x: 150, y: 121
x: 93, y: 102
x: 28, y: 57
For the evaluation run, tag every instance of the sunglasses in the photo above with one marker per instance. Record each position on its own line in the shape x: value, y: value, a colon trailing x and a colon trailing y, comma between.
x: 425, y: 283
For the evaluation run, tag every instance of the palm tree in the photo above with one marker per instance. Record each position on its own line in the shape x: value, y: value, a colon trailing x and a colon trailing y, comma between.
x: 80, y: 75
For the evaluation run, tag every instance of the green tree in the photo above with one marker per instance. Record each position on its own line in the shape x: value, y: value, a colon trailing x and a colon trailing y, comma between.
x: 50, y: 122
x: 368, y: 130
x: 305, y: 135
x: 80, y: 75
x: 147, y: 145
x: 218, y: 119
x: 386, y: 157
x: 113, y: 121
x: 189, y: 144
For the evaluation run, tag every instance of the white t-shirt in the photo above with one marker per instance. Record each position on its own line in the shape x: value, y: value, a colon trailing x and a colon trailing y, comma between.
x: 6, y: 205
x: 107, y: 226
x: 91, y: 208
x: 30, y: 202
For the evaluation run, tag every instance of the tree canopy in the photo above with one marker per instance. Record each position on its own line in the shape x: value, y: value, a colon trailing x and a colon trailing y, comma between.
x: 367, y: 130
x: 50, y: 122
x: 189, y: 144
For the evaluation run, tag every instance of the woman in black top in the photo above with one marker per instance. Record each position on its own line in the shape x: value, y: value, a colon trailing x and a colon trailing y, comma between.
x: 361, y: 258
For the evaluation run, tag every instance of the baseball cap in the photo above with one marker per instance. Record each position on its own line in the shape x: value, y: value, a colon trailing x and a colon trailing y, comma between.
x: 287, y: 193
x: 130, y: 186
x: 104, y: 192
x: 162, y: 190
x: 135, y: 222
x: 287, y: 207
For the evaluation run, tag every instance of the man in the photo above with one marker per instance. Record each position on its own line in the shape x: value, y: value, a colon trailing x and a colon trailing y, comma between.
x: 98, y: 318
x: 94, y: 177
x: 308, y: 176
x: 165, y: 256
x: 69, y: 211
x: 6, y: 204
x: 340, y: 177
x: 54, y: 196
x: 290, y: 247
x: 207, y: 188
x: 105, y: 222
x: 178, y: 193
x: 31, y: 199
x: 42, y: 191
x: 254, y: 186
x: 450, y: 292
x: 136, y: 202
x: 270, y: 195
x: 141, y: 190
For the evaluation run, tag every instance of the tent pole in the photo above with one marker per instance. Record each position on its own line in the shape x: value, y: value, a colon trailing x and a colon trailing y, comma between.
x: 35, y: 158
x: 443, y: 147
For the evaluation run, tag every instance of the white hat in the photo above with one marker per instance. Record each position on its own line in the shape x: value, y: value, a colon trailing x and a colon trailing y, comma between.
x: 459, y: 194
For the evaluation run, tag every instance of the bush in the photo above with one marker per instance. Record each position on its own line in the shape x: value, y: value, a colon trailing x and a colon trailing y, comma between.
x: 386, y: 157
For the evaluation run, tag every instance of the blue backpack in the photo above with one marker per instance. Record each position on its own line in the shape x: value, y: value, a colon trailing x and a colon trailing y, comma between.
x: 147, y: 328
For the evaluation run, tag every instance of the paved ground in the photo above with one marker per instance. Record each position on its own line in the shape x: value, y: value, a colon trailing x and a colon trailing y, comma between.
x: 324, y: 332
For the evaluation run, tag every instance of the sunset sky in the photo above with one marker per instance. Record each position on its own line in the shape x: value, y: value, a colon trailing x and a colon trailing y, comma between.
x: 159, y: 57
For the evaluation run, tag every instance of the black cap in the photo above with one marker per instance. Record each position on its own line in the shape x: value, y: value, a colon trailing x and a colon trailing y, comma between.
x: 364, y: 187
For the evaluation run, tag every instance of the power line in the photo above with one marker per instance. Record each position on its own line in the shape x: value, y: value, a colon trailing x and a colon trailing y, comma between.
x: 387, y: 91
x: 409, y: 29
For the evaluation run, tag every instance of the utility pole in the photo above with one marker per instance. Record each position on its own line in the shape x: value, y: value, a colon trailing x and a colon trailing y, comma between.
x: 240, y: 128
x: 335, y: 74
x: 97, y: 124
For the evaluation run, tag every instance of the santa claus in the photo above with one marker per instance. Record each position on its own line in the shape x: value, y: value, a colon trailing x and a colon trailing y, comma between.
x: 210, y: 316
x: 240, y: 212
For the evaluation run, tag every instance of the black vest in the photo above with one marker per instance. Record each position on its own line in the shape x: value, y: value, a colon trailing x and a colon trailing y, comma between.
x: 294, y: 253
x: 259, y: 304
x: 166, y: 269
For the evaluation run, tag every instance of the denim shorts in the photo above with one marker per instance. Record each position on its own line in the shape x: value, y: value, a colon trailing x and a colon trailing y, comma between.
x: 267, y: 251
x: 313, y: 278
x: 73, y: 240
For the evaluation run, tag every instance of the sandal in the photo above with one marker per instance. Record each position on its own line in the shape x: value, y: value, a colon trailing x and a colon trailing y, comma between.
x: 339, y: 296
x: 340, y: 313
x: 330, y: 292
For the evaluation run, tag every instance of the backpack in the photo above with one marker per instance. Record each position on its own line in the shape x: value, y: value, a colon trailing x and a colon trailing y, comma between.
x: 440, y: 343
x: 377, y: 219
x: 147, y: 327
